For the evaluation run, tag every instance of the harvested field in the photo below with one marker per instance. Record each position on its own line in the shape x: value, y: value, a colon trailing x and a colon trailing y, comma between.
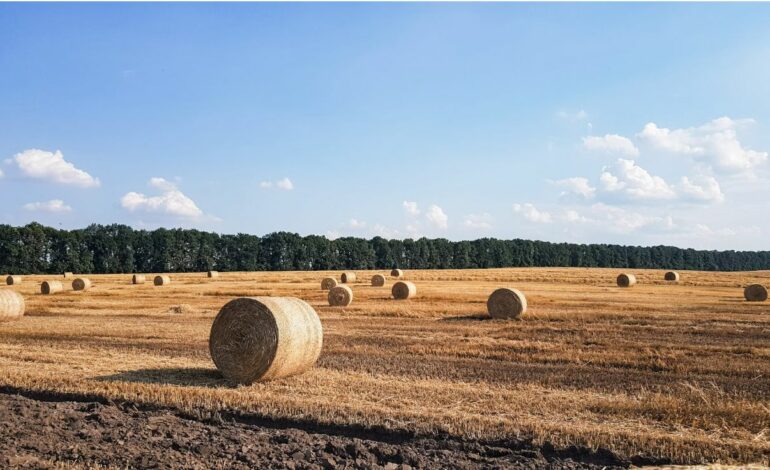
x: 658, y: 373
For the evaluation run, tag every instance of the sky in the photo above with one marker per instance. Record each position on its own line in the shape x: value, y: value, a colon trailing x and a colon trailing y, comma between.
x: 638, y: 124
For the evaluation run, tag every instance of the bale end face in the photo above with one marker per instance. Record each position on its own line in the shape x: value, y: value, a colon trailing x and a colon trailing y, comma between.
x: 328, y: 282
x: 81, y: 283
x: 506, y: 303
x: 348, y: 277
x: 68, y: 275
x: 626, y: 280
x: 378, y: 280
x: 397, y: 273
x: 671, y: 276
x: 138, y: 279
x: 212, y: 274
x: 340, y: 296
x: 50, y: 287
x: 11, y: 305
x: 161, y: 280
x: 403, y: 290
x: 755, y: 293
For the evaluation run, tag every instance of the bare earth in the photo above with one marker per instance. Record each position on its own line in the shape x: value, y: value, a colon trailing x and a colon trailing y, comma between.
x: 593, y: 374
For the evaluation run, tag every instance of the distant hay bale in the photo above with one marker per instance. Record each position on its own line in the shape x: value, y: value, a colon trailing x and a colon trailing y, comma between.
x: 671, y: 276
x: 506, y: 303
x: 378, y: 280
x: 397, y: 273
x: 50, y: 287
x: 755, y: 293
x: 11, y: 305
x: 327, y: 283
x: 340, y: 296
x: 348, y: 277
x: 162, y: 280
x: 138, y: 279
x: 68, y: 275
x: 81, y: 283
x: 212, y: 274
x: 13, y: 280
x: 626, y: 280
x: 263, y: 338
x: 403, y: 290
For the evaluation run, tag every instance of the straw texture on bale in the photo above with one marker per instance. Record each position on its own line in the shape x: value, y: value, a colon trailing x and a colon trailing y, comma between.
x: 138, y: 279
x: 506, y: 303
x: 68, y: 275
x: 263, y: 338
x: 49, y: 287
x: 340, y: 296
x: 397, y: 273
x: 13, y: 280
x: 81, y: 283
x: 755, y: 293
x: 626, y: 280
x: 162, y: 280
x: 11, y: 305
x: 378, y: 280
x: 404, y: 290
x: 328, y: 282
x: 671, y: 276
x: 348, y: 277
x: 212, y: 274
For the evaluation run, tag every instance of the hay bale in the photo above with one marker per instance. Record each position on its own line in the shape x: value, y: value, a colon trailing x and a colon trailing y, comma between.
x: 671, y: 276
x: 50, y: 287
x: 212, y: 274
x: 403, y: 290
x: 626, y: 280
x: 348, y: 277
x: 755, y: 293
x: 340, y: 296
x: 162, y: 280
x: 328, y: 282
x: 506, y: 303
x: 68, y: 275
x: 378, y: 280
x: 13, y: 280
x: 81, y: 283
x: 397, y: 273
x: 137, y: 279
x: 11, y: 305
x: 264, y: 338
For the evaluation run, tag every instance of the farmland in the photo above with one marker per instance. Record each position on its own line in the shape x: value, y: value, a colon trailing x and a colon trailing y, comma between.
x: 658, y: 372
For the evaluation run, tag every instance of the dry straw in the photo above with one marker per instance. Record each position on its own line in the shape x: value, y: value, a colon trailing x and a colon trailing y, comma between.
x: 162, y: 280
x: 68, y: 275
x: 378, y: 280
x: 755, y: 293
x: 212, y: 274
x: 138, y: 279
x: 340, y: 296
x: 50, y: 287
x: 626, y: 280
x: 264, y: 338
x: 11, y: 305
x: 506, y: 303
x: 404, y: 290
x: 397, y: 273
x: 671, y: 276
x: 348, y: 277
x: 13, y: 280
x: 328, y: 282
x: 81, y: 283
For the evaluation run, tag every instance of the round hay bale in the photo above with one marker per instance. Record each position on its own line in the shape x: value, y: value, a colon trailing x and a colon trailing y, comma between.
x: 68, y: 275
x: 506, y: 303
x: 11, y: 305
x: 162, y: 280
x: 138, y: 279
x: 50, y: 287
x: 348, y: 277
x: 264, y: 338
x: 212, y: 274
x: 755, y: 293
x: 328, y: 282
x: 13, y: 280
x: 671, y: 276
x: 626, y: 280
x: 403, y: 290
x: 397, y: 273
x: 81, y: 283
x: 340, y: 296
x: 378, y: 280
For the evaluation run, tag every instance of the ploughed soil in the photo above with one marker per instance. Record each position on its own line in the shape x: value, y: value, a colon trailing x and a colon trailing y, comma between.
x: 40, y: 430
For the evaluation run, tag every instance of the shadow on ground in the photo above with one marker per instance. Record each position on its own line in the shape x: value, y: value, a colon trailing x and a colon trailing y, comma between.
x: 182, y: 376
x: 472, y: 317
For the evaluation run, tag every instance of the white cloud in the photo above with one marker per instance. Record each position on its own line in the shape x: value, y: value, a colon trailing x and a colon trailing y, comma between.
x: 437, y: 217
x: 162, y: 184
x: 478, y: 221
x: 577, y: 186
x: 172, y: 201
x: 356, y: 224
x: 701, y: 188
x: 284, y: 184
x: 616, y: 219
x: 1, y: 173
x: 411, y: 209
x: 265, y: 184
x: 52, y: 166
x: 611, y: 143
x: 580, y: 115
x: 531, y: 213
x: 628, y: 178
x: 54, y: 206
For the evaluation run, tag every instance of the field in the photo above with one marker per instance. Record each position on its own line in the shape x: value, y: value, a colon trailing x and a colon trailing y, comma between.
x: 658, y: 372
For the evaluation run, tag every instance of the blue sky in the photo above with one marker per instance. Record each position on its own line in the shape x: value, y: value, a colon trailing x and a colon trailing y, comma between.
x: 618, y: 123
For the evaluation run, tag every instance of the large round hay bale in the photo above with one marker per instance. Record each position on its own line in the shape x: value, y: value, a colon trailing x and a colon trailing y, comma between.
x: 671, y: 276
x: 327, y: 283
x: 378, y: 280
x: 340, y: 296
x: 13, y: 280
x: 626, y: 280
x: 348, y: 277
x: 81, y: 283
x: 50, y: 287
x: 397, y: 273
x: 68, y: 275
x: 506, y: 303
x: 162, y: 280
x: 404, y: 290
x: 11, y: 305
x: 138, y: 279
x: 212, y: 274
x: 263, y: 338
x: 755, y: 293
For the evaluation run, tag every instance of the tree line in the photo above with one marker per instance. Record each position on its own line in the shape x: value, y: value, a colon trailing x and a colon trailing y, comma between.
x: 105, y: 249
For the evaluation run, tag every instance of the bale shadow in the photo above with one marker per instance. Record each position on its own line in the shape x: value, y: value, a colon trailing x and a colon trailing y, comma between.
x: 179, y: 376
x: 471, y: 317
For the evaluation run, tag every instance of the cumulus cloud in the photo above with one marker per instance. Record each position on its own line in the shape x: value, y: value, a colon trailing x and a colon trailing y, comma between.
x: 356, y: 224
x: 577, y: 186
x: 611, y: 143
x: 478, y: 221
x: 531, y: 213
x: 619, y: 220
x: 437, y: 217
x: 54, y: 206
x: 628, y: 178
x: 701, y: 188
x: 411, y: 209
x: 284, y: 184
x: 171, y: 201
x: 51, y: 166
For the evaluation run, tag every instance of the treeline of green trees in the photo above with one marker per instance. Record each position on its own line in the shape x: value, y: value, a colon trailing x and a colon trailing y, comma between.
x: 36, y: 249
